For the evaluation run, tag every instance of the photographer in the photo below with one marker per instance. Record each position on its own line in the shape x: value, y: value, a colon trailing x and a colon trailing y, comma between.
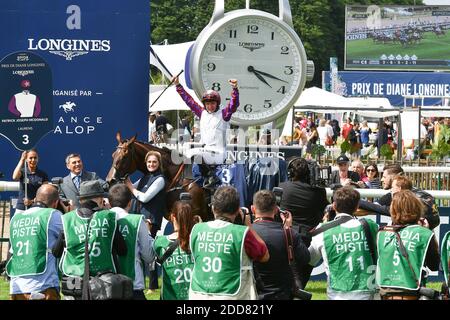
x: 276, y: 274
x: 405, y: 248
x: 34, y: 273
x: 348, y: 256
x: 223, y: 252
x: 344, y: 177
x: 305, y: 202
x: 107, y: 236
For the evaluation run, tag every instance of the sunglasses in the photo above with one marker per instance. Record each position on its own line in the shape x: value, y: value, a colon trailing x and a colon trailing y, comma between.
x: 371, y: 170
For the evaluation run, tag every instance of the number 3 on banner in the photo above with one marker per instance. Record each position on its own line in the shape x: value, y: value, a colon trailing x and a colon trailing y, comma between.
x: 26, y: 139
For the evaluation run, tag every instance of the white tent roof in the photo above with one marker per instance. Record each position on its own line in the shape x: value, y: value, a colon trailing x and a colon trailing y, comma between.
x: 373, y: 103
x: 169, y: 100
x: 314, y: 97
x: 173, y: 56
x: 439, y: 111
x: 321, y: 101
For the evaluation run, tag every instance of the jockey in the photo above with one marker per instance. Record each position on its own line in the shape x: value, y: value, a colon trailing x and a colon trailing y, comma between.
x: 213, y: 127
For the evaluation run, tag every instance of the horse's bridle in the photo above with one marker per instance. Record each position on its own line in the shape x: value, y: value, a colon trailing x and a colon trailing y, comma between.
x: 133, y: 165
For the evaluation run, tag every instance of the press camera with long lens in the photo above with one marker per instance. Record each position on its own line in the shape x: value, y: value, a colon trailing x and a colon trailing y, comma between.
x: 56, y: 182
x: 319, y: 175
x: 278, y: 196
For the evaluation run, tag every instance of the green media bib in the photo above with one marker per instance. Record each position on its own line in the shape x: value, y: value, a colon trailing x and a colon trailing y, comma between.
x: 101, y: 234
x: 29, y: 238
x: 349, y: 259
x: 177, y: 270
x: 129, y: 228
x: 218, y: 258
x: 445, y: 255
x: 393, y: 270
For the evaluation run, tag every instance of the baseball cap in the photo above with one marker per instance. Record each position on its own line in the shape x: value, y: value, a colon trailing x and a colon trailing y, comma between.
x: 342, y: 159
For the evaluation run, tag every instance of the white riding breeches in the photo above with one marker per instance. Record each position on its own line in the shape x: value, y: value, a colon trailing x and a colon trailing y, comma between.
x: 208, y: 155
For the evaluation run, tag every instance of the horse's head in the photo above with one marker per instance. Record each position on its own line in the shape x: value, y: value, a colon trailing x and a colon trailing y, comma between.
x: 123, y: 162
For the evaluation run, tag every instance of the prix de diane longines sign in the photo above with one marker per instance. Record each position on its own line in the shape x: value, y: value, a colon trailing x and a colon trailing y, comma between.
x: 98, y: 52
x: 26, y: 87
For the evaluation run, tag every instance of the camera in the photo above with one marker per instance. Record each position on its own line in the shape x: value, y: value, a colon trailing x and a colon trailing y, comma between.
x: 185, y: 196
x: 241, y: 219
x: 330, y: 211
x: 56, y: 182
x: 278, y: 195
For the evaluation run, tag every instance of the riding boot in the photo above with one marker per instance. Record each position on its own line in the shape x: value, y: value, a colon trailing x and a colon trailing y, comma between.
x: 209, y: 174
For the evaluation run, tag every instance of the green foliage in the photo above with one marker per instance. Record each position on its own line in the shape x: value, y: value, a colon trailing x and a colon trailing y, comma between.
x: 345, y: 146
x: 441, y: 145
x: 317, y: 150
x: 386, y: 151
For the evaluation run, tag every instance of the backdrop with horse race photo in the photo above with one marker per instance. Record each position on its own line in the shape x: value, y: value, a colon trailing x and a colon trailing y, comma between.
x: 397, y: 38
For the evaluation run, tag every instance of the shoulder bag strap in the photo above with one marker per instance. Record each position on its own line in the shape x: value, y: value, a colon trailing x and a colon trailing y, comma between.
x: 170, y: 249
x: 86, y: 294
x: 369, y: 238
x: 330, y: 225
x: 290, y: 255
x: 404, y: 253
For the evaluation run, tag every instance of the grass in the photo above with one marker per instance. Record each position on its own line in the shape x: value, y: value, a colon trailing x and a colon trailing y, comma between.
x: 4, y: 290
x: 317, y: 288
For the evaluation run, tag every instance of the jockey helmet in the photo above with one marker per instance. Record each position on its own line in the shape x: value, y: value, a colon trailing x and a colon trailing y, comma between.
x: 211, y: 95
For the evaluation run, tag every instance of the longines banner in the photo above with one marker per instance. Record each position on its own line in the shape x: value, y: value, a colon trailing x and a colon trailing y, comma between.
x: 392, y: 85
x: 98, y: 52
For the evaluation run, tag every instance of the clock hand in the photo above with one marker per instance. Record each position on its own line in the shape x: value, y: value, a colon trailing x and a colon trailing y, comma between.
x: 260, y: 77
x: 268, y: 75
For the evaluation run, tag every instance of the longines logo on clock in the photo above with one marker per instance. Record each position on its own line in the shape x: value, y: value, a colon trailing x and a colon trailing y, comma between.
x: 252, y: 45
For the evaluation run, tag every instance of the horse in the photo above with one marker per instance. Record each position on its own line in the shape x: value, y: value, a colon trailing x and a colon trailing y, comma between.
x: 438, y: 31
x: 68, y: 106
x: 129, y: 156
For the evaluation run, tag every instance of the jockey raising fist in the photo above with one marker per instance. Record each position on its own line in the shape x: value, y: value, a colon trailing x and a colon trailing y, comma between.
x: 214, y: 122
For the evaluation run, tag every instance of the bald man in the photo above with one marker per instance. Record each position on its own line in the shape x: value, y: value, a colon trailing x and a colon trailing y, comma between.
x: 34, y: 274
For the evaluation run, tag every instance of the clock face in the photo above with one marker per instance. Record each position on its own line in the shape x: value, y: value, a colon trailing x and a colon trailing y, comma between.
x: 266, y: 57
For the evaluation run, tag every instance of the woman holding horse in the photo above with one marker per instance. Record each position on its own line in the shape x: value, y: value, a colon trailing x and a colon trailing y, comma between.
x: 149, y: 191
x: 151, y: 198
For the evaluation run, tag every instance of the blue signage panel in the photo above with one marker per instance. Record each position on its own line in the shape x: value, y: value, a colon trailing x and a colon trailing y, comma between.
x: 392, y: 85
x: 27, y: 91
x: 99, y: 55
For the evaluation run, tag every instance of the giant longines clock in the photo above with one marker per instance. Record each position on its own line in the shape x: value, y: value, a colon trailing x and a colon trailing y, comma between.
x: 262, y: 51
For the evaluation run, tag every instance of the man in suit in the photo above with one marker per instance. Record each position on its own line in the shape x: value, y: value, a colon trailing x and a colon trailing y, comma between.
x: 344, y: 177
x: 69, y: 188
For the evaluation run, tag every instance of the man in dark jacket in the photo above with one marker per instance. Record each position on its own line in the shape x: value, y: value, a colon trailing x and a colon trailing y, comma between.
x: 276, y: 274
x: 305, y: 202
